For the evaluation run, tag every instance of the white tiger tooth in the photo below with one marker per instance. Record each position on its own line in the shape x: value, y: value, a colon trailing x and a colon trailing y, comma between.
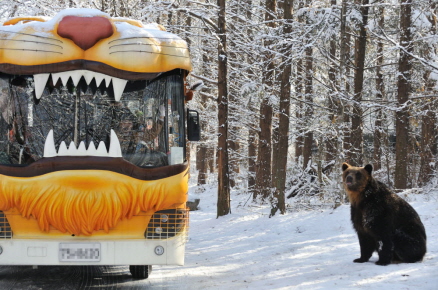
x: 91, y: 149
x: 107, y: 80
x: 62, y: 151
x: 64, y: 76
x: 88, y: 76
x: 72, y: 151
x: 82, y: 151
x: 114, y: 148
x: 55, y: 78
x: 40, y: 81
x: 76, y: 76
x: 49, y: 146
x: 101, y: 149
x: 118, y: 88
x: 99, y: 78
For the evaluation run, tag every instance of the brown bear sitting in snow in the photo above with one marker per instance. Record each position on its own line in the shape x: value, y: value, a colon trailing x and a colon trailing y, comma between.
x: 384, y: 222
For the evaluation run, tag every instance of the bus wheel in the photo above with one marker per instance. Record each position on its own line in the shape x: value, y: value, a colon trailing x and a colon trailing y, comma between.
x: 140, y: 271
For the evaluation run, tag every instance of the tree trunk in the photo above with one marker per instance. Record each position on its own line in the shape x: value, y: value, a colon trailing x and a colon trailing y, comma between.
x: 204, y: 154
x: 252, y: 158
x: 357, y: 118
x: 201, y: 166
x: 428, y: 142
x: 379, y: 131
x: 344, y: 84
x: 264, y: 156
x: 223, y: 201
x: 252, y: 132
x: 404, y: 88
x: 299, y: 88
x: 234, y: 116
x: 334, y: 102
x: 282, y: 133
x: 298, y: 110
x: 344, y: 72
x: 308, y: 91
x: 428, y: 146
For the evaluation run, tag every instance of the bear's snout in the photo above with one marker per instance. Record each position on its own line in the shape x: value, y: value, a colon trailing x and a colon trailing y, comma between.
x: 349, y: 182
x: 352, y: 181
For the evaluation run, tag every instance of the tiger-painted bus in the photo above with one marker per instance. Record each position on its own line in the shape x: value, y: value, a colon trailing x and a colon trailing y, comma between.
x: 93, y: 132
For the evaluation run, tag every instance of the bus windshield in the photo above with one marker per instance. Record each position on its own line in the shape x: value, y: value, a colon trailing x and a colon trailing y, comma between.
x: 148, y: 120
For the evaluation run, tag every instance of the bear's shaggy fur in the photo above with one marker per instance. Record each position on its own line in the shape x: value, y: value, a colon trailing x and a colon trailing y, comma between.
x: 384, y: 222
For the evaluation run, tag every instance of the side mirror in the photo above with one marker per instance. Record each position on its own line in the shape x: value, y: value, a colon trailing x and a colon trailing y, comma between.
x: 193, y: 126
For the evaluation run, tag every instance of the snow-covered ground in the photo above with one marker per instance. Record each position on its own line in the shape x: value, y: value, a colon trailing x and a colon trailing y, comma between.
x: 300, y: 250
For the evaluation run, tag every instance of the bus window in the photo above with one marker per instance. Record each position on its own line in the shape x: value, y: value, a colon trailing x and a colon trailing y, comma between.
x: 138, y: 119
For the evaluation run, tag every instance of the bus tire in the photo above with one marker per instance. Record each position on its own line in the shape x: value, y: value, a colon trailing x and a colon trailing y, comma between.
x: 140, y: 271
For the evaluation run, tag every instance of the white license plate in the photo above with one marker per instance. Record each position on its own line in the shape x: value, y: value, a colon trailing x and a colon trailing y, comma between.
x: 79, y: 252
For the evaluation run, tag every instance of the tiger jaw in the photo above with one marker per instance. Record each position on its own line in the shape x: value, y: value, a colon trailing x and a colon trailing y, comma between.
x: 118, y: 85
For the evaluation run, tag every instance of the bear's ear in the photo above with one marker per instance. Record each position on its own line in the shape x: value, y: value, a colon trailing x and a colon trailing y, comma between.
x: 345, y: 165
x: 369, y: 168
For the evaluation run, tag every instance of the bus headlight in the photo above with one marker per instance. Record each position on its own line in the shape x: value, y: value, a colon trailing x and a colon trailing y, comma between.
x: 167, y: 223
x: 164, y: 218
x: 5, y: 227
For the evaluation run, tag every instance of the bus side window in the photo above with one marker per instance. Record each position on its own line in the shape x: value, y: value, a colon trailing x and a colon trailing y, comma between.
x: 193, y: 127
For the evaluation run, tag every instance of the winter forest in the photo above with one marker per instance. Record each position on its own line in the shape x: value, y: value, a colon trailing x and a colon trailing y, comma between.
x: 293, y: 88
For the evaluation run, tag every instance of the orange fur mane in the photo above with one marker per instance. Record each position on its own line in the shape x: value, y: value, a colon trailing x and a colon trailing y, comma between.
x: 80, y: 202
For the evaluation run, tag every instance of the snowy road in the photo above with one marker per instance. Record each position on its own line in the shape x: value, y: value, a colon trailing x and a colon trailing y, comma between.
x: 63, y: 278
x: 309, y: 249
x: 86, y: 277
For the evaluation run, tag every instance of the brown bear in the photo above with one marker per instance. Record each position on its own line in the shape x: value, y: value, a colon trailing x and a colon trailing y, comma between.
x: 384, y: 222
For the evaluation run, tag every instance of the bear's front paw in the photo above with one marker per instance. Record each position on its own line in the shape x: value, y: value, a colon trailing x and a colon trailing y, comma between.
x: 360, y: 260
x: 382, y: 263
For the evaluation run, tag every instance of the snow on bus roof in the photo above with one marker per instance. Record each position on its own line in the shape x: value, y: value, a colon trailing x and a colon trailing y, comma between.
x: 45, y: 27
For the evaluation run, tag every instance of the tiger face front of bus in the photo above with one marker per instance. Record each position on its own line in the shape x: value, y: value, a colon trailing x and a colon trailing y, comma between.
x: 92, y: 142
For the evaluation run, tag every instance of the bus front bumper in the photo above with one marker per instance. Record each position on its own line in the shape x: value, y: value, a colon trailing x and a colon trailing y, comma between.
x: 93, y: 252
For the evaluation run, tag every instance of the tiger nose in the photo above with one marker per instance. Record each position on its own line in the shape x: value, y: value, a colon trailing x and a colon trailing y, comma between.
x: 85, y: 31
